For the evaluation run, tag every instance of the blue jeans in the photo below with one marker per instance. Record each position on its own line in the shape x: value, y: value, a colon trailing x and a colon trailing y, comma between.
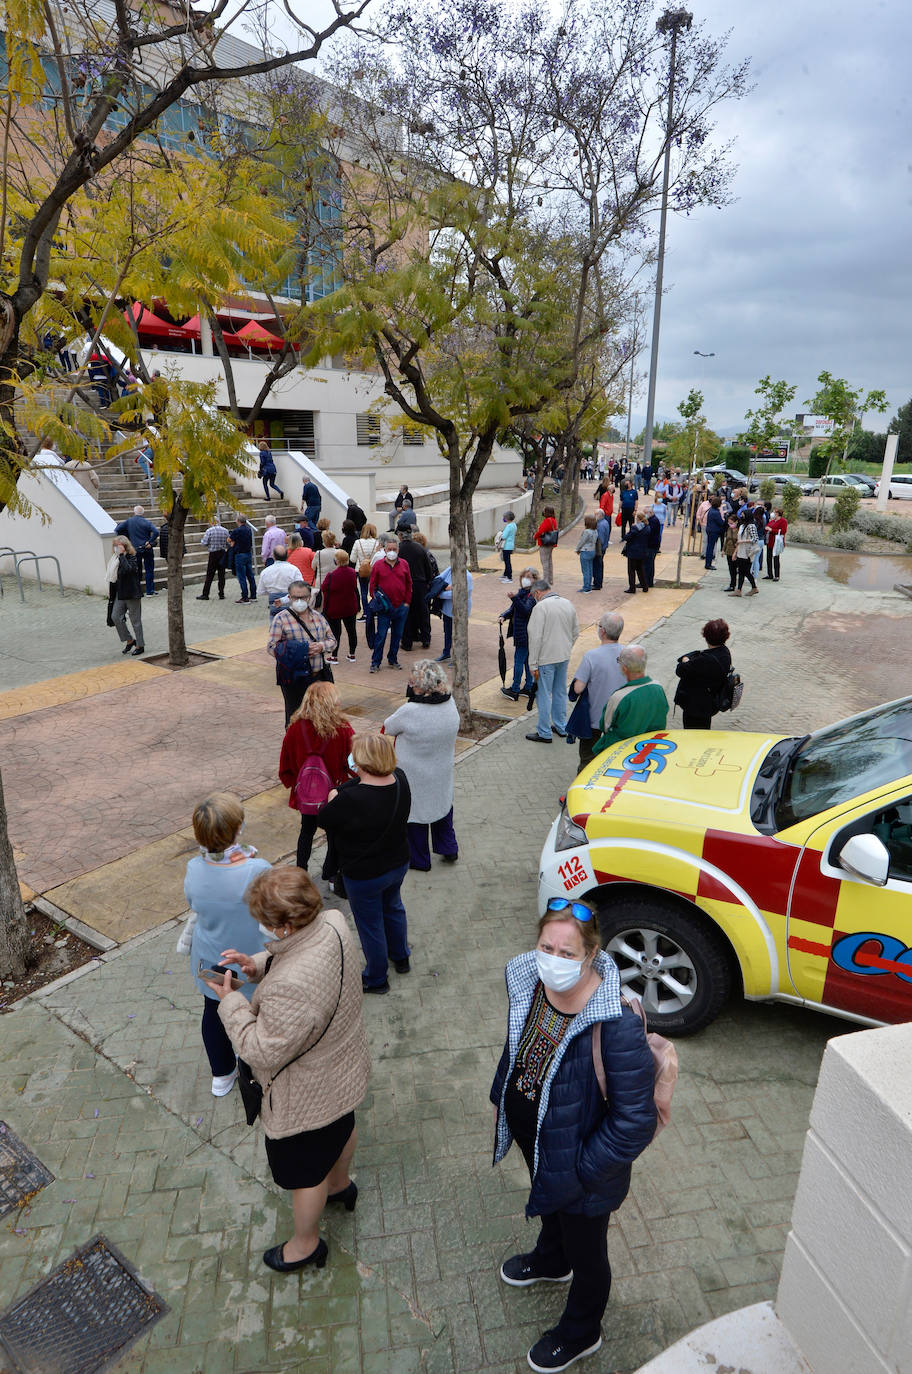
x: 587, y: 558
x: 243, y: 571
x: 520, y: 664
x: 710, y: 549
x: 552, y: 697
x: 394, y: 622
x: 146, y: 558
x: 376, y: 905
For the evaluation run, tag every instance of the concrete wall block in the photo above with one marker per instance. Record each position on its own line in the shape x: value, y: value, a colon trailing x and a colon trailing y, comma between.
x: 817, y: 1320
x: 862, y: 1112
x: 851, y: 1242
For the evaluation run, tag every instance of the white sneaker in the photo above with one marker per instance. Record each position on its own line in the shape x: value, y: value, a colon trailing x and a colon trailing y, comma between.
x: 506, y: 579
x: 221, y: 1087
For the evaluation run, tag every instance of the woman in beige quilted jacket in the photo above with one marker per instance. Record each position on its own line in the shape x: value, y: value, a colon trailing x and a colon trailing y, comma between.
x: 303, y: 1037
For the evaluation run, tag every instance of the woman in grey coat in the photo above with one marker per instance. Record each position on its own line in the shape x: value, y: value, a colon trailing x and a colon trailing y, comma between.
x: 425, y: 731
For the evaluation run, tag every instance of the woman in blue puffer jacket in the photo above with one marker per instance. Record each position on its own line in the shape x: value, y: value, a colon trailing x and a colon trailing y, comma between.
x: 578, y: 1147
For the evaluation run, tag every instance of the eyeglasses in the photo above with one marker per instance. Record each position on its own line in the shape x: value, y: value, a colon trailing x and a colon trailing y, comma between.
x: 577, y: 909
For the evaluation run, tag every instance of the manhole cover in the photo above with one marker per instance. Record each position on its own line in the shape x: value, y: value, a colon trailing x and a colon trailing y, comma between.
x: 81, y: 1316
x: 21, y: 1174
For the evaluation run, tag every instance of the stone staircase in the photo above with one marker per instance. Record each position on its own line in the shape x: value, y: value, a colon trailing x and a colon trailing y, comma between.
x: 119, y: 494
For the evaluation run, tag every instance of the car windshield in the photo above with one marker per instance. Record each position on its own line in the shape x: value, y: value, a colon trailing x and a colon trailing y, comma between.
x: 845, y: 761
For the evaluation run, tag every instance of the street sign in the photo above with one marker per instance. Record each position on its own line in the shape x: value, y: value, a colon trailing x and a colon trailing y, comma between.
x: 779, y: 454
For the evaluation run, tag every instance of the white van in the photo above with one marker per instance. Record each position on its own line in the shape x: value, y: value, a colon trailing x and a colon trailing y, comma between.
x: 900, y: 487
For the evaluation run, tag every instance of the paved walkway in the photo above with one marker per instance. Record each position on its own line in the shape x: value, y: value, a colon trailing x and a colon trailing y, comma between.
x: 105, y: 1078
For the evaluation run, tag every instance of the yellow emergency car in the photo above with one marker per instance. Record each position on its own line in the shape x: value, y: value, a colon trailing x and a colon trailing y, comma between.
x: 777, y: 866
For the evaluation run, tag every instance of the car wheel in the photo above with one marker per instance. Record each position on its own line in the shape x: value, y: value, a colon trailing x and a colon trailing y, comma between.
x: 676, y: 967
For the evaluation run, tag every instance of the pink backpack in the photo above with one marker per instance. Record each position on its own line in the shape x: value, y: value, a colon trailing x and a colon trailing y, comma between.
x: 664, y: 1057
x: 313, y: 785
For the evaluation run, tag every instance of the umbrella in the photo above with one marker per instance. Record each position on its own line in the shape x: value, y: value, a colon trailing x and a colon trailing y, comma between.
x: 254, y: 333
x: 532, y: 695
x: 151, y: 324
x: 502, y: 657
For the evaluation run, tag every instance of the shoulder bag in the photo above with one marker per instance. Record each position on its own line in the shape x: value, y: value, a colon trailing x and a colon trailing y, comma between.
x: 251, y: 1089
x: 549, y: 539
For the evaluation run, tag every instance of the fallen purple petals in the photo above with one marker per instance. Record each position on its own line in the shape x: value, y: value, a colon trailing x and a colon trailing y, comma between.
x: 199, y: 1121
x: 19, y: 1232
x: 95, y: 1113
x: 90, y: 1175
x: 130, y: 1015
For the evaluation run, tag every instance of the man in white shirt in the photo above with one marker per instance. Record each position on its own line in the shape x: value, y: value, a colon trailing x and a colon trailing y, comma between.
x: 277, y: 578
x: 553, y: 631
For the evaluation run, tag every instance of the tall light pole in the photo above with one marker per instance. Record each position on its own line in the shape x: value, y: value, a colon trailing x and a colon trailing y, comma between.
x: 672, y: 21
x: 690, y: 484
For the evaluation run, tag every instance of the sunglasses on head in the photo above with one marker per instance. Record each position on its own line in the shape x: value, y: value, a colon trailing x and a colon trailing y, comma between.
x: 577, y: 909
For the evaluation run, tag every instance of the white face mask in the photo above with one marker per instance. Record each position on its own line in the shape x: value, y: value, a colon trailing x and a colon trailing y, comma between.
x: 558, y: 974
x: 525, y: 582
x: 391, y: 556
x: 352, y: 766
x: 300, y: 604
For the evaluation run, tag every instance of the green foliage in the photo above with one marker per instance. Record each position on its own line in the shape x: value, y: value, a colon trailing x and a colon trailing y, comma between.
x: 764, y: 424
x: 845, y: 507
x: 901, y: 424
x: 819, y: 461
x: 846, y: 539
x: 736, y: 457
x: 768, y: 489
x: 893, y: 527
x: 865, y: 446
x: 790, y: 502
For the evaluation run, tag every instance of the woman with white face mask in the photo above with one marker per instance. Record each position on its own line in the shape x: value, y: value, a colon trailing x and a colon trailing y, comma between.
x: 565, y: 1007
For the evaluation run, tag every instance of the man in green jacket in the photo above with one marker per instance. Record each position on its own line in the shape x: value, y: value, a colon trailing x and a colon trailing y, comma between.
x: 640, y: 707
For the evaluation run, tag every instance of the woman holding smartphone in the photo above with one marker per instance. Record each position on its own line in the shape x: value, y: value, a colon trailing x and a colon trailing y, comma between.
x: 215, y: 887
x: 304, y: 1039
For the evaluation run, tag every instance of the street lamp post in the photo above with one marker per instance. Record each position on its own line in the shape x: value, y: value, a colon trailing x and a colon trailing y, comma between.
x: 672, y: 21
x: 690, y: 484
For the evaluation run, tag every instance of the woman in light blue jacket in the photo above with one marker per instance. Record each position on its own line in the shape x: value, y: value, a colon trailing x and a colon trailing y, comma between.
x: 508, y: 544
x: 446, y: 599
x: 215, y: 886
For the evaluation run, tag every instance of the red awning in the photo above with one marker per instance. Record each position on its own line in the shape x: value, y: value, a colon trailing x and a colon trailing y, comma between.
x: 254, y: 333
x: 153, y: 325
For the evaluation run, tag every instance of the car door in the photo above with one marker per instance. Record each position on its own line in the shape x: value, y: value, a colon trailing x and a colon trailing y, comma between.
x: 850, y: 941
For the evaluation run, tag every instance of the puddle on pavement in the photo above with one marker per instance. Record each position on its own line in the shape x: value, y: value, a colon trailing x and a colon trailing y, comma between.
x: 870, y: 572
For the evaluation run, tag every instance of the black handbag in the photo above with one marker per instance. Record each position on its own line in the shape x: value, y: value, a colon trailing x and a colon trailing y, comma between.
x: 251, y: 1089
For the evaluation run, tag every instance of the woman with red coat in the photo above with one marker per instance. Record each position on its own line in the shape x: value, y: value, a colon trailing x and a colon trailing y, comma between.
x: 778, y: 525
x: 606, y: 501
x: 547, y: 525
x: 340, y: 602
x: 318, y: 727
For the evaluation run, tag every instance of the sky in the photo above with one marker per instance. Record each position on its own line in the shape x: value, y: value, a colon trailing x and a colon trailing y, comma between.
x: 810, y: 268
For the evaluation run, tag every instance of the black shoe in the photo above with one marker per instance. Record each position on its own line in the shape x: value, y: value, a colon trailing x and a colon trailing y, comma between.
x: 451, y: 858
x: 402, y: 965
x: 520, y: 1272
x: 140, y: 649
x: 552, y: 1353
x: 561, y: 734
x: 273, y: 1258
x: 525, y: 691
x: 537, y: 738
x: 128, y: 646
x: 204, y: 598
x: 394, y: 665
x: 506, y: 692
x: 221, y: 596
x: 375, y: 987
x: 347, y: 1197
x: 630, y: 591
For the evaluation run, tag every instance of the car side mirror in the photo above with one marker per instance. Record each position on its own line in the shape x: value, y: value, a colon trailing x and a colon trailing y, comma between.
x: 866, y: 857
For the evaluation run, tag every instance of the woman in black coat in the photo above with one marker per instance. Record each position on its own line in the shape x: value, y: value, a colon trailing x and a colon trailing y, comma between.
x: 703, y: 674
x: 578, y: 1142
x: 635, y: 548
x: 124, y: 581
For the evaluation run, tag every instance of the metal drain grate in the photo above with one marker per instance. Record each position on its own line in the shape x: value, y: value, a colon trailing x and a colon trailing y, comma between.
x: 21, y: 1174
x: 81, y: 1316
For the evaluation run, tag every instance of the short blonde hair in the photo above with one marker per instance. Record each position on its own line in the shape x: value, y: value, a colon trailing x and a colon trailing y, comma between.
x: 217, y: 820
x: 368, y: 531
x: 374, y: 754
x: 329, y: 539
x: 341, y: 558
x: 283, y: 897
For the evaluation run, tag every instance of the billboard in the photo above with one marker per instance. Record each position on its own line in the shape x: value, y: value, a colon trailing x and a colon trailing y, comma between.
x: 778, y: 454
x: 817, y: 426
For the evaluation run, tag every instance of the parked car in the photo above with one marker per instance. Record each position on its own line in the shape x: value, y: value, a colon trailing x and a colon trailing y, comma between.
x: 837, y: 482
x: 865, y: 477
x: 900, y: 486
x: 777, y: 866
x: 782, y: 480
x: 737, y: 479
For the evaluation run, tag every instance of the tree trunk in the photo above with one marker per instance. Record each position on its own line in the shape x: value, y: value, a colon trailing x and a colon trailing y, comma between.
x: 538, y: 481
x: 12, y: 450
x: 460, y: 509
x: 13, y: 928
x: 177, y: 644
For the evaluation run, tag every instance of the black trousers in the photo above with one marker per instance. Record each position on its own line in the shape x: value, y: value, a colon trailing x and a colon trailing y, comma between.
x: 626, y: 520
x: 636, y: 568
x: 305, y: 840
x: 218, y: 1047
x: 598, y: 572
x: 744, y: 571
x: 293, y: 693
x: 694, y: 721
x: 215, y: 566
x: 418, y: 624
x: 732, y: 571
x: 349, y: 621
x: 568, y: 1240
x: 772, y: 563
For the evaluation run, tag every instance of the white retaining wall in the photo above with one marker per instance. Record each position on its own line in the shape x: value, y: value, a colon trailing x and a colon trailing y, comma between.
x: 77, y: 530
x: 846, y: 1289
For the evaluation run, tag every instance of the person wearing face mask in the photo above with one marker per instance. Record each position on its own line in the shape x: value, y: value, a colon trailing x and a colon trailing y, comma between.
x: 390, y: 590
x: 425, y: 731
x: 298, y: 624
x: 125, y: 595
x: 315, y: 749
x: 564, y: 1008
x: 522, y: 604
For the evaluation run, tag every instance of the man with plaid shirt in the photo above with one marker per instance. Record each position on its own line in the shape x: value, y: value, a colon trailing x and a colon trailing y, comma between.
x: 215, y: 540
x: 300, y: 622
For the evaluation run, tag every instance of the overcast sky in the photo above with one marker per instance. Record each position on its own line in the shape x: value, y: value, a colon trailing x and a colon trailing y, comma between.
x: 810, y: 268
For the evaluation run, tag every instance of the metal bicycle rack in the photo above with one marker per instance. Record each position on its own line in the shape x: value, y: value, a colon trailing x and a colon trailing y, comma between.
x: 20, y: 556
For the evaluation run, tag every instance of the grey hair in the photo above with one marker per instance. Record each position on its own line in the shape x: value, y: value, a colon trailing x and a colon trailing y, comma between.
x: 540, y: 585
x: 633, y: 657
x: 304, y: 585
x: 270, y: 519
x: 611, y: 625
x: 427, y: 677
x: 390, y: 540
x: 139, y: 510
